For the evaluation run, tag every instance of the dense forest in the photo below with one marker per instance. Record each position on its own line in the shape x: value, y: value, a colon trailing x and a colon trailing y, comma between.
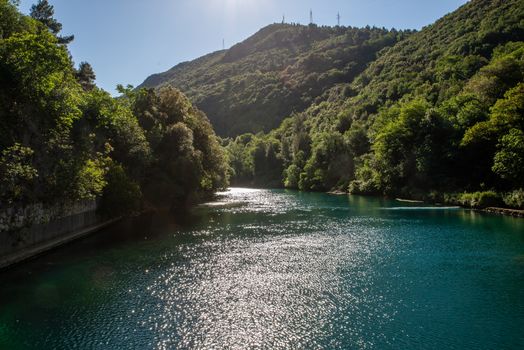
x: 436, y: 115
x: 62, y: 139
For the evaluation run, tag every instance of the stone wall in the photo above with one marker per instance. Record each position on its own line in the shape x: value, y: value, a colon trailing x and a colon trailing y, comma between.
x: 33, y: 229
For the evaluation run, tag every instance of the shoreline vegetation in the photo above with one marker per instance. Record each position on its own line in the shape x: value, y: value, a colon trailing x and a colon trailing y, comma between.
x: 435, y: 115
x: 65, y: 140
x: 492, y: 210
x: 475, y: 204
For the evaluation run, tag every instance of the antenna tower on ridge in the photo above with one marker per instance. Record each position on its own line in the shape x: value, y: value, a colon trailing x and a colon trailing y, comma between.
x: 223, y: 44
x: 338, y: 19
x: 311, y: 16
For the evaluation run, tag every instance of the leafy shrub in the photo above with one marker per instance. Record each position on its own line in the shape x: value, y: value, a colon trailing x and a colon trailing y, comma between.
x: 122, y: 195
x: 292, y: 176
x: 515, y: 199
x: 509, y: 160
x: 90, y: 181
x: 480, y: 199
x: 16, y: 172
x: 366, y: 181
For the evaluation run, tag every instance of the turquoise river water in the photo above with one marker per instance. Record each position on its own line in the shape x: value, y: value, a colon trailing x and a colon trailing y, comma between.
x: 277, y: 269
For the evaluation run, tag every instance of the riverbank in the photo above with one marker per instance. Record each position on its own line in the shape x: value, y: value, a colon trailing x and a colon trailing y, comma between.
x: 491, y: 210
x: 504, y: 211
x: 34, y: 229
x: 27, y: 232
x: 31, y: 252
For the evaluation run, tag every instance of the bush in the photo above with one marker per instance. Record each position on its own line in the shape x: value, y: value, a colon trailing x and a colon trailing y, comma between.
x: 480, y: 199
x: 121, y: 196
x: 16, y: 173
x: 366, y: 180
x: 90, y: 180
x: 515, y: 199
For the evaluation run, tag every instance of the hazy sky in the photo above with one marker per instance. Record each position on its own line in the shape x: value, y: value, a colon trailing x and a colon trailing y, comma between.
x: 127, y: 40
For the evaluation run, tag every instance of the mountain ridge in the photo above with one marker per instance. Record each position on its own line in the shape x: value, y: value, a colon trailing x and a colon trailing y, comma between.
x: 279, y: 70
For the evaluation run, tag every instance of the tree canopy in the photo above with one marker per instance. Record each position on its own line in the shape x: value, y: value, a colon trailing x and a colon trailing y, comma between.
x: 63, y: 139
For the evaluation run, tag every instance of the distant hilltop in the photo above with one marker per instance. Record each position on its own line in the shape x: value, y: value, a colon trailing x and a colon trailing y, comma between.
x: 279, y: 70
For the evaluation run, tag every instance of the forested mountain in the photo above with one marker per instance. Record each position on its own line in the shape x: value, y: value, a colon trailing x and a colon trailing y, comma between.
x: 281, y: 69
x: 435, y: 114
x: 439, y: 113
x: 62, y: 139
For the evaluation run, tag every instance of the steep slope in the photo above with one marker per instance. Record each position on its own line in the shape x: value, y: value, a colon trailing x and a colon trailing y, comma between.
x: 281, y: 69
x: 441, y: 111
x: 442, y: 55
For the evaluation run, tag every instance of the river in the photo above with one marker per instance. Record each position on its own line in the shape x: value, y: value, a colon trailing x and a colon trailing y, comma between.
x: 277, y: 269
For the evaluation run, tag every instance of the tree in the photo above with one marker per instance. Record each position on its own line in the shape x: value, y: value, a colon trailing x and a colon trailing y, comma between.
x: 16, y: 173
x: 11, y: 20
x: 86, y: 76
x: 411, y: 147
x: 43, y: 12
x: 509, y: 160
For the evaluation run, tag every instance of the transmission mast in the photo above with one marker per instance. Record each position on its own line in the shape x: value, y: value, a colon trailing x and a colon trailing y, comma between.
x: 283, y: 18
x: 223, y: 44
x: 311, y: 16
x: 338, y: 19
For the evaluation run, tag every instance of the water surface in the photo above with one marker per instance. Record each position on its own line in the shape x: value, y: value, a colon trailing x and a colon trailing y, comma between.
x: 277, y: 270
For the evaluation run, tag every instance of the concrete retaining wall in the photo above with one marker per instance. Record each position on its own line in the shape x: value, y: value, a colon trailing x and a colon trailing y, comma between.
x: 25, y: 232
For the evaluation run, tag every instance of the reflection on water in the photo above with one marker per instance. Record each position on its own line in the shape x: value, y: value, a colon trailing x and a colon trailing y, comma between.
x: 278, y: 270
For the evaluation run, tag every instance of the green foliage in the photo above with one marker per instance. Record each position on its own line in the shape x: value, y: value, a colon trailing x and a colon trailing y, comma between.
x: 86, y: 76
x: 16, y: 173
x: 408, y: 147
x: 39, y: 104
x: 292, y: 176
x: 121, y: 195
x: 367, y: 179
x: 240, y: 159
x: 480, y: 200
x: 187, y: 157
x: 329, y: 165
x: 113, y: 121
x: 509, y: 160
x: 369, y: 110
x: 440, y: 111
x: 505, y: 70
x: 62, y: 139
x: 515, y: 199
x: 91, y: 179
x: 281, y: 69
x: 44, y: 12
x: 11, y: 20
x: 256, y: 160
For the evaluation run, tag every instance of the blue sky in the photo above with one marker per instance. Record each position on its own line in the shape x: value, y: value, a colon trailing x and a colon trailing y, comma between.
x: 127, y: 40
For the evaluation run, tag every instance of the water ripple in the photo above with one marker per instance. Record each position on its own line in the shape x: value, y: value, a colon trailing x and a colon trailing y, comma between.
x: 280, y: 270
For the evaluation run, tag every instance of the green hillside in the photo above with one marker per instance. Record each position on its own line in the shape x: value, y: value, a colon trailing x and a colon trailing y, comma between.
x: 440, y: 112
x: 281, y: 69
